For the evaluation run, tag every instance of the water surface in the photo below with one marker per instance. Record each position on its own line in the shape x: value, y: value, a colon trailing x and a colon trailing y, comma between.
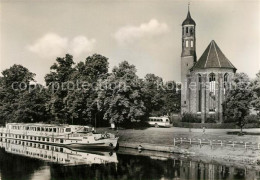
x: 40, y: 162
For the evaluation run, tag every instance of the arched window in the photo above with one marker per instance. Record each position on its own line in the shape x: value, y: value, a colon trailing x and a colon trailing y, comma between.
x: 187, y: 30
x: 183, y: 31
x: 187, y: 43
x: 191, y: 31
x: 199, y: 92
x: 212, y: 92
x: 191, y: 43
x: 225, y: 83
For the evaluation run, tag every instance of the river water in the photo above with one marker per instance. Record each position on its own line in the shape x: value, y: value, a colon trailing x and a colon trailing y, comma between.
x: 23, y: 161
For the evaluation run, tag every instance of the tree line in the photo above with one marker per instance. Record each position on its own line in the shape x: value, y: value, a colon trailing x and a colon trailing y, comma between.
x: 85, y: 93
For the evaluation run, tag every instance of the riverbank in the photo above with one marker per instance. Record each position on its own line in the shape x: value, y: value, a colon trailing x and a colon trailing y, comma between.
x: 162, y: 140
x: 242, y: 163
x: 165, y: 136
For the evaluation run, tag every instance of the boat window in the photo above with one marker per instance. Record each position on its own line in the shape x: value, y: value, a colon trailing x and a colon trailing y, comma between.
x: 54, y: 129
x: 167, y: 120
x: 68, y: 129
x: 61, y: 149
x: 50, y: 129
x: 38, y: 129
x: 42, y: 129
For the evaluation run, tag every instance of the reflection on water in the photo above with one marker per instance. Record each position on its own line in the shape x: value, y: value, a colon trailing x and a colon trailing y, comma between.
x: 20, y: 160
x: 56, y: 154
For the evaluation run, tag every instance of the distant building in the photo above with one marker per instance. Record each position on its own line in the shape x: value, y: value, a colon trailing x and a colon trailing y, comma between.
x: 204, y: 82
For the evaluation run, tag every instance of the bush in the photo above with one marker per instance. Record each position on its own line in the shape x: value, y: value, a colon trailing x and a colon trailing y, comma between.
x: 210, y: 119
x: 253, y: 119
x: 191, y: 118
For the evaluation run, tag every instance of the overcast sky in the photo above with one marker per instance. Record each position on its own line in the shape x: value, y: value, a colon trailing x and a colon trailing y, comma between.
x: 147, y: 33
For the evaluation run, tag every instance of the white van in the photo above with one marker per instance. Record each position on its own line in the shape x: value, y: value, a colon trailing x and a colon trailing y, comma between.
x: 159, y: 121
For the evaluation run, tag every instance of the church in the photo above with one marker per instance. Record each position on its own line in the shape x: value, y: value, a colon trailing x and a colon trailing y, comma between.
x: 204, y: 81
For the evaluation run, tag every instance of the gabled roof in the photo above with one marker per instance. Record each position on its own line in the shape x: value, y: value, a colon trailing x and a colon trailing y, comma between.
x: 188, y: 20
x: 213, y: 58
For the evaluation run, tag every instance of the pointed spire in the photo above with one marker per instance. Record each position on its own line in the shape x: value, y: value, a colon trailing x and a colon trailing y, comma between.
x: 188, y: 19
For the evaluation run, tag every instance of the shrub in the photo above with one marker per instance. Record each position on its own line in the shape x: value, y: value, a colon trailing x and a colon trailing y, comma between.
x: 252, y: 118
x: 210, y: 119
x: 191, y: 118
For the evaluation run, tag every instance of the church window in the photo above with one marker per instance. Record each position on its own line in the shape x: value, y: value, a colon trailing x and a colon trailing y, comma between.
x: 187, y: 30
x: 191, y: 43
x: 212, y: 92
x: 200, y: 92
x: 187, y: 43
x: 225, y: 82
x: 191, y: 31
x: 183, y: 31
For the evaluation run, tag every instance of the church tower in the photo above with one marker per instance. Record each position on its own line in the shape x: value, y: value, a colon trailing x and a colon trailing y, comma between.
x: 188, y: 58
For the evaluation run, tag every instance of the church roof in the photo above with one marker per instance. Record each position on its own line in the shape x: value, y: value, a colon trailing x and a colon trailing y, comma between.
x: 188, y: 20
x: 213, y: 58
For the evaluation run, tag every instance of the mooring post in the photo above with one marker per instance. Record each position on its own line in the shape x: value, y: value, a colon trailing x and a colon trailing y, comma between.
x: 181, y: 140
x: 173, y: 141
x: 221, y: 143
x: 200, y: 141
x: 233, y: 144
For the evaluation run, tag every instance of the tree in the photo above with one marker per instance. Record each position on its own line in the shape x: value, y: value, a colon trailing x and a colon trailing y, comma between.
x: 31, y: 106
x: 57, y: 81
x: 256, y: 91
x: 18, y: 102
x: 171, y: 98
x: 81, y: 104
x: 121, y: 97
x: 153, y: 90
x: 237, y: 103
x: 160, y: 98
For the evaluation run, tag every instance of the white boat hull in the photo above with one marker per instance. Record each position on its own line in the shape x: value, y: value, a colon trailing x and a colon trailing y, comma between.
x: 55, y: 135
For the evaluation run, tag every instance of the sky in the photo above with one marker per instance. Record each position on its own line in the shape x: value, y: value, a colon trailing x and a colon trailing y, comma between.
x: 146, y: 33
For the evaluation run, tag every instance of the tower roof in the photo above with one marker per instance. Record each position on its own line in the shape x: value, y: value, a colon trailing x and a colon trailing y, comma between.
x: 188, y: 20
x: 213, y: 58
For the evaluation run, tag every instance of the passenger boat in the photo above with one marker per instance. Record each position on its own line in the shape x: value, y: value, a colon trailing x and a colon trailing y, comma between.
x: 73, y: 136
x: 56, y: 154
